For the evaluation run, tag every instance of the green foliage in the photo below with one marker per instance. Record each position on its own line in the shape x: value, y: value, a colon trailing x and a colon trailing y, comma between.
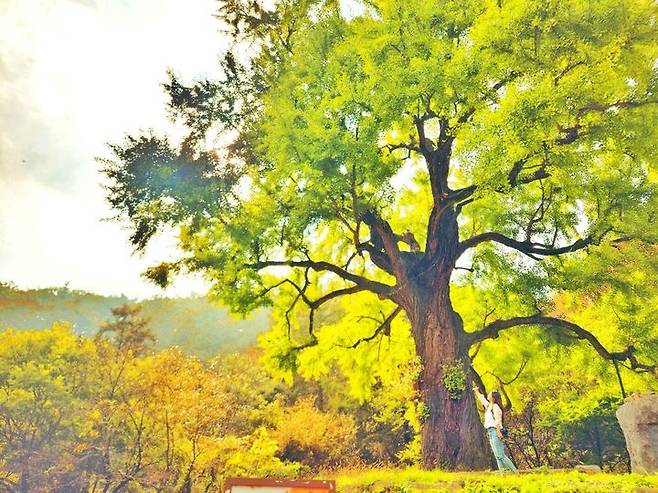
x: 549, y: 110
x: 454, y: 379
x: 77, y: 412
x: 319, y: 111
x: 590, y: 428
x: 260, y: 459
x: 372, y: 153
x: 415, y: 480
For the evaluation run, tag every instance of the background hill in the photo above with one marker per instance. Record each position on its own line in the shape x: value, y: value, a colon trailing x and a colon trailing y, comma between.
x: 195, y: 324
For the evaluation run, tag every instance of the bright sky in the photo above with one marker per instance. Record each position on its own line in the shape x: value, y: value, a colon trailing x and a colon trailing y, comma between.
x: 75, y: 74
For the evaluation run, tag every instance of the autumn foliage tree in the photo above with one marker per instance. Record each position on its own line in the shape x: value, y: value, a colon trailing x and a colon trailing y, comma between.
x: 74, y: 418
x: 44, y: 393
x: 398, y: 151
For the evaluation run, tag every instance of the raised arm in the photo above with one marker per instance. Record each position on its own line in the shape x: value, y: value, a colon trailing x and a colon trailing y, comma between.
x: 483, y: 400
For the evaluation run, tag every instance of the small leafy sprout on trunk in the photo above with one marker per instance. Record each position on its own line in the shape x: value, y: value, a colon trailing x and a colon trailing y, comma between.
x: 454, y: 379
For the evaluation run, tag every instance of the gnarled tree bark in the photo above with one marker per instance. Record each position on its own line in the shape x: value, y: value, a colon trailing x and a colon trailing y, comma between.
x: 452, y: 434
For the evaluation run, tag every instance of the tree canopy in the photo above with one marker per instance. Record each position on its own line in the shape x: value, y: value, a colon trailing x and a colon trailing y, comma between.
x: 498, y: 157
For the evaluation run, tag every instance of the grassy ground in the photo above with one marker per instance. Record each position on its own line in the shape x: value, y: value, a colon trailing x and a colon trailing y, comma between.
x: 414, y: 480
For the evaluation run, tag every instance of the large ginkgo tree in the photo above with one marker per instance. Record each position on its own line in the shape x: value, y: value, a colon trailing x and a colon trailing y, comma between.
x: 390, y: 150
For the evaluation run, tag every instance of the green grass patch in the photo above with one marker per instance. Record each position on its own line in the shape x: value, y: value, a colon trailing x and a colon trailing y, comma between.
x: 418, y: 481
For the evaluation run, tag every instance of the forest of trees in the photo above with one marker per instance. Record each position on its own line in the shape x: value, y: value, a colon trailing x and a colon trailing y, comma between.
x: 109, y: 413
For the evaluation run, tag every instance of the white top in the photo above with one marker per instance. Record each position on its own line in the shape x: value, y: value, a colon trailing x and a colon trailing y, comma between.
x: 493, y: 414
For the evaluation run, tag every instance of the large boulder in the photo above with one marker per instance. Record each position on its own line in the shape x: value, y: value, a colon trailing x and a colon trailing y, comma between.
x: 638, y: 418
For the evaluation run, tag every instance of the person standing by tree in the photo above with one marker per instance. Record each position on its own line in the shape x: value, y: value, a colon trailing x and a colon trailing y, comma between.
x: 493, y: 423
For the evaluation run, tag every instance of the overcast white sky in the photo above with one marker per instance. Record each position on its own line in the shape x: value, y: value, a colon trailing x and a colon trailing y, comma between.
x: 75, y: 74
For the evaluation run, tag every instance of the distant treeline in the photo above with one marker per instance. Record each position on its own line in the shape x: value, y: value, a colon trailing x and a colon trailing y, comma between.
x: 198, y: 326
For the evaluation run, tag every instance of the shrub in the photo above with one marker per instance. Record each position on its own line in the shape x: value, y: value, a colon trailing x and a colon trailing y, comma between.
x: 315, y: 438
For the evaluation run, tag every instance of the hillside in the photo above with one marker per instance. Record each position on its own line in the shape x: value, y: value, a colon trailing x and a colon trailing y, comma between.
x: 195, y: 324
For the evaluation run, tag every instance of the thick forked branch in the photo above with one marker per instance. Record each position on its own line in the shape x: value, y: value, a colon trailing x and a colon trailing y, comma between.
x: 380, y: 289
x: 410, y: 240
x: 531, y: 249
x: 492, y: 331
x: 377, y: 256
x: 437, y: 157
x: 384, y: 238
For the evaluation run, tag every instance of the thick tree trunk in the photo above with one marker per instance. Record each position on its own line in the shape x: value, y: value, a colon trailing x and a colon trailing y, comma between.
x: 452, y: 433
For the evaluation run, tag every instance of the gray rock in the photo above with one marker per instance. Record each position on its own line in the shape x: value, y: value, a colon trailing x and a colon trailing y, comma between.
x: 588, y: 468
x: 638, y: 418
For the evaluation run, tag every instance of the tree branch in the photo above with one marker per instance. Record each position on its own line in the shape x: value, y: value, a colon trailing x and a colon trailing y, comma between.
x: 601, y: 107
x: 515, y: 178
x: 403, y: 145
x: 410, y: 240
x: 313, y: 305
x: 384, y: 327
x: 377, y: 256
x: 538, y: 215
x: 514, y: 378
x: 381, y: 289
x: 571, y: 134
x: 384, y: 238
x: 335, y: 294
x: 532, y: 250
x: 460, y: 195
x: 492, y: 331
x: 492, y: 92
x: 426, y: 146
